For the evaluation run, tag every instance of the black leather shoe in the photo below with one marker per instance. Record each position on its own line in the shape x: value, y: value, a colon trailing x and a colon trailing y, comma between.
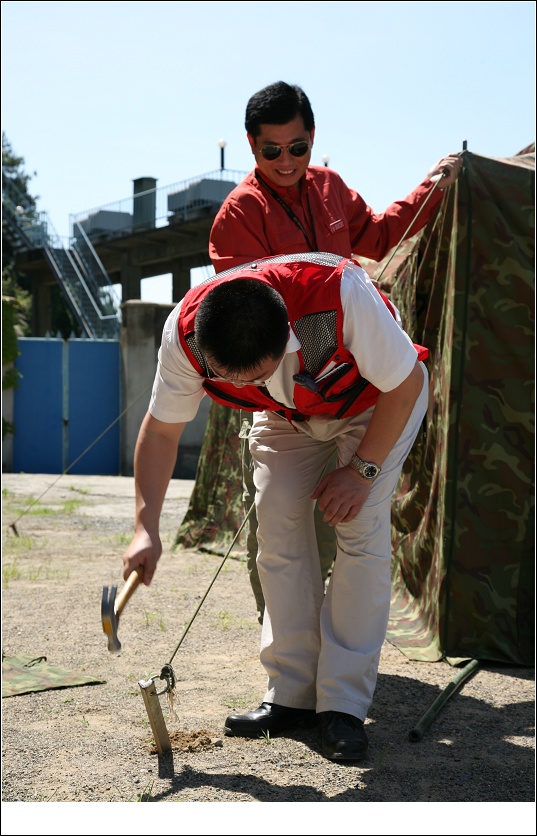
x: 270, y: 718
x: 343, y: 736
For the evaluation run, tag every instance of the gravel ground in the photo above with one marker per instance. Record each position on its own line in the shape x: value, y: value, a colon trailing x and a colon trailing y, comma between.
x: 93, y: 743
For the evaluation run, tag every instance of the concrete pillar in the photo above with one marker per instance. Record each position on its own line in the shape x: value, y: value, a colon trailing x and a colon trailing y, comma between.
x: 139, y: 355
x: 145, y: 203
x: 131, y: 279
x: 180, y: 280
x: 141, y: 335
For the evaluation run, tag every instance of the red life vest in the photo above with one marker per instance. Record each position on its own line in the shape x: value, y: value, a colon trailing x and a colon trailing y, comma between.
x: 310, y: 286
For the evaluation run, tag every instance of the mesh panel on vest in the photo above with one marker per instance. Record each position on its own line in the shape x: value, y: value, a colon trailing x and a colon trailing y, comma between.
x: 190, y: 340
x: 318, y: 339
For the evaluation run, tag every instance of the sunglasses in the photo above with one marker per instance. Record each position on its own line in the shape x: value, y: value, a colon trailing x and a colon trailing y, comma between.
x: 297, y: 149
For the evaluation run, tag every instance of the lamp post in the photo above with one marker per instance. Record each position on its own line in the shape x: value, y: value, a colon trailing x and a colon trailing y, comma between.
x: 222, y: 144
x: 326, y: 158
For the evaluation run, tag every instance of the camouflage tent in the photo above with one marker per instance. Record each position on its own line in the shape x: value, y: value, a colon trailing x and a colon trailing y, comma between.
x: 462, y: 522
x: 216, y: 508
x: 463, y: 514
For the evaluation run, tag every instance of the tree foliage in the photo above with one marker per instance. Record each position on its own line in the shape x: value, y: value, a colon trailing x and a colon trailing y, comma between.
x: 12, y: 168
x: 16, y: 302
x: 20, y: 304
x: 17, y: 200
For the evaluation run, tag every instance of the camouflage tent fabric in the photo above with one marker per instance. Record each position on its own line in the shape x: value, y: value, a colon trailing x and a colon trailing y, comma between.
x: 24, y: 674
x: 216, y: 510
x: 463, y: 513
x: 462, y: 518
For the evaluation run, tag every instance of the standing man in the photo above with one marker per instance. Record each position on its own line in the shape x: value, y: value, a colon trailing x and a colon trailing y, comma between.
x: 308, y: 345
x: 286, y: 205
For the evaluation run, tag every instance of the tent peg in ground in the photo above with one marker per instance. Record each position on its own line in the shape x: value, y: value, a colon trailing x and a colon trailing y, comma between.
x: 156, y: 718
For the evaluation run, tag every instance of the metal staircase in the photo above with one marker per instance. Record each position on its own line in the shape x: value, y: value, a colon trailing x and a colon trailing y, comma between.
x: 78, y: 270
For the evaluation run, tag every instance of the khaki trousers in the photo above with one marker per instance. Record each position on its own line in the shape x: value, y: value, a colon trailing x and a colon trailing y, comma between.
x: 325, y: 534
x: 321, y: 651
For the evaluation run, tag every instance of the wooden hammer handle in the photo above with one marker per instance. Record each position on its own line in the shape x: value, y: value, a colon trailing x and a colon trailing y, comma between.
x: 131, y: 584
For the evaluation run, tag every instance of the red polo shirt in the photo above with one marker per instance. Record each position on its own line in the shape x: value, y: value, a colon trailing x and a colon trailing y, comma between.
x: 251, y: 222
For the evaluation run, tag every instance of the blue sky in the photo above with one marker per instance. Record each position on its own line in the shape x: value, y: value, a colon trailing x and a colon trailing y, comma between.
x: 97, y: 94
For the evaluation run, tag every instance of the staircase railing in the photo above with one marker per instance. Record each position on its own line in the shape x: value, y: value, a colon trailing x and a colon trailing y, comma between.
x: 78, y: 270
x: 80, y: 287
x: 82, y: 293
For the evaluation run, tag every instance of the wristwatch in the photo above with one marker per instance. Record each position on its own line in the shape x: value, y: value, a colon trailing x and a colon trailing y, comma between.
x: 368, y: 470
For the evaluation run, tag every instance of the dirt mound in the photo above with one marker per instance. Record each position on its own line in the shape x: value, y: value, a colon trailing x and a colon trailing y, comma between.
x: 191, y: 741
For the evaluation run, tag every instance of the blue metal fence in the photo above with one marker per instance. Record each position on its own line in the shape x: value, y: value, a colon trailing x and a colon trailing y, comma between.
x: 68, y: 397
x: 38, y: 408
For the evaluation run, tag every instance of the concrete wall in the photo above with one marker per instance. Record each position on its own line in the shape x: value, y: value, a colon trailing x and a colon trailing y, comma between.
x: 141, y: 335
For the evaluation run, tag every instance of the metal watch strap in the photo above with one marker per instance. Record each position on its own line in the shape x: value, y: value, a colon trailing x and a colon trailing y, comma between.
x: 368, y: 470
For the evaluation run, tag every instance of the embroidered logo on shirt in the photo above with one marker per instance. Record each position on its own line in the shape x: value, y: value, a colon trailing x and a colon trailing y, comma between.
x: 335, y: 225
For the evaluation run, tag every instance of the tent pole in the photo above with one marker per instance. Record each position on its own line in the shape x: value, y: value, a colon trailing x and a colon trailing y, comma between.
x: 419, y: 729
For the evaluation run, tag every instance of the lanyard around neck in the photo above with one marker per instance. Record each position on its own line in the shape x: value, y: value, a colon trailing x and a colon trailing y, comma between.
x: 296, y: 220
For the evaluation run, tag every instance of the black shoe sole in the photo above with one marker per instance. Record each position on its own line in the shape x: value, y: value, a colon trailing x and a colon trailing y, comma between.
x: 306, y: 722
x: 340, y: 756
x: 231, y: 733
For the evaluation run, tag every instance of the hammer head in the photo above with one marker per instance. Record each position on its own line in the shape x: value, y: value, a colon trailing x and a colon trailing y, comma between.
x: 110, y: 618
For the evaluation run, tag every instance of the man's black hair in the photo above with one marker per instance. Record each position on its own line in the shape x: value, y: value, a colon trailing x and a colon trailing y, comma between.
x: 277, y: 104
x: 241, y: 323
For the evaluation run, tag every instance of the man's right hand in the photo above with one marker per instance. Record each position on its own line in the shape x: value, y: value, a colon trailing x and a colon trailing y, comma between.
x: 447, y: 170
x: 145, y: 551
x: 154, y: 460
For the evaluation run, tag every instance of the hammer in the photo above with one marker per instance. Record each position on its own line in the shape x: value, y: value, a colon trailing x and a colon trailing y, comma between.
x: 111, y: 608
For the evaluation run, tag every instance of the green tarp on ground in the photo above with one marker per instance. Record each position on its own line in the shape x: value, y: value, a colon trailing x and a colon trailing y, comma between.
x: 463, y: 513
x: 23, y: 674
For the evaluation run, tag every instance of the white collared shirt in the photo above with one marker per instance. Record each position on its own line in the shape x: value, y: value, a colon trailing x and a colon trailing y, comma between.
x: 383, y: 351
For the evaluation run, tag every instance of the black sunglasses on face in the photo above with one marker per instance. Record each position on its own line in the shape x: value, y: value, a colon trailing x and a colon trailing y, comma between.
x: 297, y: 149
